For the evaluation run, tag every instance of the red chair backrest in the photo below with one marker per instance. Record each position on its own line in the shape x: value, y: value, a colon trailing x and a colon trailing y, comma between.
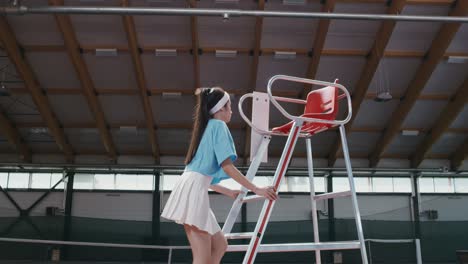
x: 323, y: 101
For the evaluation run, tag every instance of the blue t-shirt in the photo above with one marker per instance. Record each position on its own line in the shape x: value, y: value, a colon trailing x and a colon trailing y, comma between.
x: 216, y: 145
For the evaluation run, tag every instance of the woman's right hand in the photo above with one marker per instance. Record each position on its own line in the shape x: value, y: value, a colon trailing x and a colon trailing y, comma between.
x: 267, y: 192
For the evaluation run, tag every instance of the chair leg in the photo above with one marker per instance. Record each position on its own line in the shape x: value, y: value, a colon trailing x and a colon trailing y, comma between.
x: 357, y: 215
x: 310, y: 167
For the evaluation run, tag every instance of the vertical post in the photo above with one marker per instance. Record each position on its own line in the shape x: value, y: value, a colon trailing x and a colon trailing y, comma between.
x: 244, y: 218
x: 310, y: 167
x: 370, y: 252
x: 331, y: 216
x: 357, y: 214
x: 68, y: 211
x: 244, y: 221
x: 418, y: 251
x: 415, y: 195
x: 169, y: 258
x: 156, y: 222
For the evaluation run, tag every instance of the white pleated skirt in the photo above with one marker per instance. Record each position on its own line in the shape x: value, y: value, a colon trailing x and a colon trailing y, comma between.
x: 189, y: 203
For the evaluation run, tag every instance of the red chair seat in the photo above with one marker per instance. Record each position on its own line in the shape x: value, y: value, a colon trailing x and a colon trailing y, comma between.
x: 311, y: 128
x: 323, y: 101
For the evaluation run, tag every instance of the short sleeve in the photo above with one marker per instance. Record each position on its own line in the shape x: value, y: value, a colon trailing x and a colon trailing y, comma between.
x: 215, y: 181
x: 223, y: 144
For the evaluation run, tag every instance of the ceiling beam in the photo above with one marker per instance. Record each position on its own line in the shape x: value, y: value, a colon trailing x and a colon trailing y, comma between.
x: 181, y: 153
x: 410, y: 2
x: 10, y: 43
x: 450, y: 112
x: 188, y: 125
x: 195, y: 45
x: 253, y: 75
x: 129, y: 26
x: 436, y: 52
x: 14, y: 138
x: 265, y: 51
x: 319, y: 43
x: 431, y: 2
x: 159, y: 91
x: 456, y: 159
x: 373, y: 60
x: 73, y: 50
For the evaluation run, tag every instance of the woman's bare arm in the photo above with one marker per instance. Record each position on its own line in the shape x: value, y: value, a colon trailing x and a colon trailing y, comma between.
x: 234, y: 173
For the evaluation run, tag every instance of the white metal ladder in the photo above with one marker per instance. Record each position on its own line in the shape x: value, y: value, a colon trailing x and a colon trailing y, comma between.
x: 256, y: 236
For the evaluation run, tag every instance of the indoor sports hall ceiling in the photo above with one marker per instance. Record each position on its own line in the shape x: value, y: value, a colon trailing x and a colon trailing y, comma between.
x: 113, y: 89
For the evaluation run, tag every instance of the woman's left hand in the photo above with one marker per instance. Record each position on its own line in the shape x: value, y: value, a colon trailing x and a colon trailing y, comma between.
x: 234, y: 193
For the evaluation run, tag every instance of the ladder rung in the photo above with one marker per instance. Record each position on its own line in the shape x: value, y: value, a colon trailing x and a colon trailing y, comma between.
x: 238, y: 235
x: 299, y: 247
x: 331, y: 195
x: 252, y: 198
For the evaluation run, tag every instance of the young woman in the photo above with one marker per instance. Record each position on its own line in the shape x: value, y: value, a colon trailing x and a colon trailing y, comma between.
x: 209, y: 160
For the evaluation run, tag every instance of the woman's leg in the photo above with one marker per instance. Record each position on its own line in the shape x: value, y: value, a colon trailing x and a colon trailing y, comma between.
x: 218, y: 247
x: 200, y: 242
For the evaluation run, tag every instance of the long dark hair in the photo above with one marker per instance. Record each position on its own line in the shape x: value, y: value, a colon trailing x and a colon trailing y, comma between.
x: 206, y: 99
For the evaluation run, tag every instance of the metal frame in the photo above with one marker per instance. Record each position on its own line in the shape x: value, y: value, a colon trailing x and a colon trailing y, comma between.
x: 224, y: 13
x: 416, y: 242
x: 255, y: 245
x: 24, y: 213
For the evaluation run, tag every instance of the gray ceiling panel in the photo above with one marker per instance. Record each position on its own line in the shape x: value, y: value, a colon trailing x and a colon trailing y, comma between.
x: 446, y: 78
x: 416, y: 36
x: 355, y: 35
x: 462, y: 119
x: 447, y: 143
x: 53, y: 69
x: 122, y: 109
x: 168, y: 72
x: 424, y: 114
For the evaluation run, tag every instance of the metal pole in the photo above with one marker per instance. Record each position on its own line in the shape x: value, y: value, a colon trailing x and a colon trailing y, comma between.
x: 310, y: 166
x: 418, y: 251
x: 155, y: 220
x: 67, y: 226
x: 224, y: 13
x: 169, y: 259
x: 331, y: 215
x: 357, y: 215
x: 370, y: 252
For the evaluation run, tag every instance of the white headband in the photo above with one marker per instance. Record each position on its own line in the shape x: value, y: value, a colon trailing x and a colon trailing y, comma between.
x: 220, y: 103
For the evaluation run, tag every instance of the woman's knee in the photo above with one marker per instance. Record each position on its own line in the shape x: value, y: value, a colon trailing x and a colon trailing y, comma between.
x: 220, y: 244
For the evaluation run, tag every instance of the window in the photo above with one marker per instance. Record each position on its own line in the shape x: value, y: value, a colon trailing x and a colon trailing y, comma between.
x: 298, y: 184
x: 443, y: 185
x: 340, y: 184
x: 426, y: 185
x: 40, y: 180
x: 4, y: 179
x: 18, y: 180
x: 382, y: 184
x: 83, y: 181
x: 402, y: 185
x: 104, y: 181
x: 461, y: 185
x: 231, y: 184
x: 362, y: 184
x: 263, y: 181
x: 55, y: 177
x: 168, y: 181
x: 145, y: 182
x: 302, y: 184
x: 125, y: 181
x: 319, y: 184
